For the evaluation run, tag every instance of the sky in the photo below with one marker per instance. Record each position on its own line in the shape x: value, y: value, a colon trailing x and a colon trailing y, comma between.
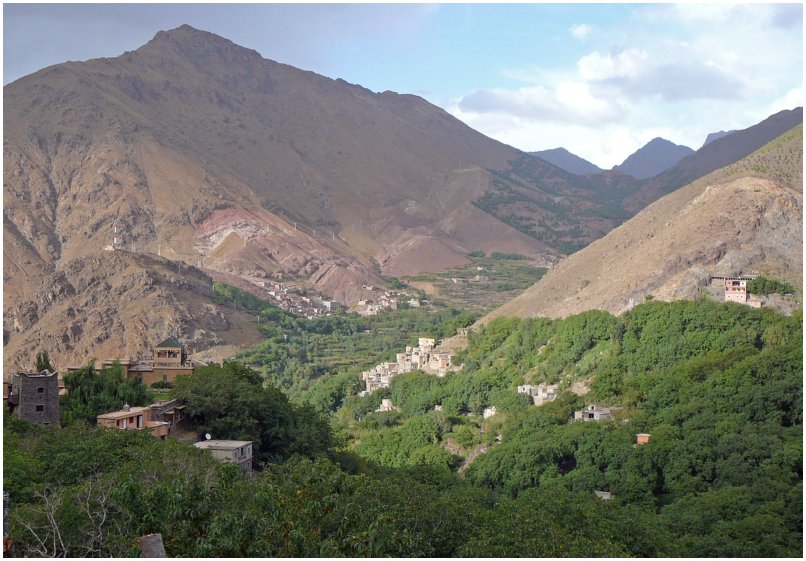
x: 600, y: 80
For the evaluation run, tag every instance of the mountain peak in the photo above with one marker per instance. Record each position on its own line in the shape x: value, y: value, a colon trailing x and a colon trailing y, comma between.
x: 654, y: 157
x: 200, y: 46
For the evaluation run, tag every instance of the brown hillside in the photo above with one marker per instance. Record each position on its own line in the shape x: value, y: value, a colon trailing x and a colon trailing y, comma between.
x: 118, y: 304
x: 201, y: 151
x: 747, y: 217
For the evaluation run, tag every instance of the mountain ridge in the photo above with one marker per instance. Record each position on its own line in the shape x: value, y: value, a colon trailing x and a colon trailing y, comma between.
x: 743, y: 218
x: 196, y: 149
x: 568, y: 161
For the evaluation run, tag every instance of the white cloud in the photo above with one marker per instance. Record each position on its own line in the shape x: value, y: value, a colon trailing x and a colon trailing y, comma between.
x: 618, y: 63
x: 581, y: 31
x: 568, y: 101
x: 680, y: 72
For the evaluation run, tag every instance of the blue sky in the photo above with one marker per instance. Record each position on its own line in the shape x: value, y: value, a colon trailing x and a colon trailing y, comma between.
x: 600, y: 80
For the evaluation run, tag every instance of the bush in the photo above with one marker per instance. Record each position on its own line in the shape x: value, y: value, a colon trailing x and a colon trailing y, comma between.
x: 766, y: 285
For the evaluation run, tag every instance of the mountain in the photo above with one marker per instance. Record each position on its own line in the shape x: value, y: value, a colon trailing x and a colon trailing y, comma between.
x: 745, y: 217
x: 194, y: 149
x: 656, y: 156
x: 564, y: 159
x: 717, y: 154
x: 716, y: 136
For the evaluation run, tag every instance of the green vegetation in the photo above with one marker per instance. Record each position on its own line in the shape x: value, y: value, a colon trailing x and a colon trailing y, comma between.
x: 231, y: 402
x: 718, y: 386
x: 91, y: 393
x: 83, y: 492
x: 228, y: 295
x: 43, y: 362
x: 298, y: 351
x: 766, y: 285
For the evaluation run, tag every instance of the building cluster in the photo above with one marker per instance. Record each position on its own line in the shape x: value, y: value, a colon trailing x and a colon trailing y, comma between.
x: 385, y: 300
x: 540, y: 394
x: 422, y: 357
x: 309, y: 305
x: 34, y: 397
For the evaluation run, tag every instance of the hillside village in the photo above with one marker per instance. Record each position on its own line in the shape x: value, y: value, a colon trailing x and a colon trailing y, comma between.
x: 423, y: 357
x: 608, y: 362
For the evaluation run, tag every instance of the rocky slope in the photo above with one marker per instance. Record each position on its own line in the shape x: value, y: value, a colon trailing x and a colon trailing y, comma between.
x: 746, y: 217
x: 194, y: 149
x: 118, y: 304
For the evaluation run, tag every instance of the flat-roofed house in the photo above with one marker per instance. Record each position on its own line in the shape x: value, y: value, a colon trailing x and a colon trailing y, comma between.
x: 133, y: 418
x: 238, y: 452
x: 594, y: 413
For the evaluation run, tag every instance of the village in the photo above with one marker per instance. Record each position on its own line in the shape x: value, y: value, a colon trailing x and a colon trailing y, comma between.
x: 34, y: 397
x: 310, y: 304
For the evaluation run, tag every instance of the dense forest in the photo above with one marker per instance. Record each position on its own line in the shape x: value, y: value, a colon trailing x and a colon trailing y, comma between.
x: 717, y: 386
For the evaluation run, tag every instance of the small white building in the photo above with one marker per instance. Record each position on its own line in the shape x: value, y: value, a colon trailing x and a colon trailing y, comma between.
x: 594, y: 413
x: 238, y: 452
x: 489, y: 412
x: 386, y: 405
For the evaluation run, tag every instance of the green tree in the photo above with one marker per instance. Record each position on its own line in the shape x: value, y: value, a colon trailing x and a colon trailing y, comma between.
x: 43, y: 362
x: 91, y: 393
x: 230, y: 402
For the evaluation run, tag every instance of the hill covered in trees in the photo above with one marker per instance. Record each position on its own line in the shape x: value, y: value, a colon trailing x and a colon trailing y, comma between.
x: 717, y: 386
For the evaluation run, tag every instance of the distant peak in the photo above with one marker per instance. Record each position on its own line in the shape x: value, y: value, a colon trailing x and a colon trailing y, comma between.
x: 196, y: 43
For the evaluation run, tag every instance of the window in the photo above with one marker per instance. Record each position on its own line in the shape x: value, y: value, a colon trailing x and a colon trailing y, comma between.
x: 40, y: 408
x: 40, y: 390
x: 165, y: 377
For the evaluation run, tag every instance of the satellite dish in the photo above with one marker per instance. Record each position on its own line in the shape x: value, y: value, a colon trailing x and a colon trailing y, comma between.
x: 207, y: 436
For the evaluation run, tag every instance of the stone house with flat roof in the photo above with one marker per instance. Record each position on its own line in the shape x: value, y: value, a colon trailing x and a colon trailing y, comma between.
x: 238, y: 452
x: 133, y: 418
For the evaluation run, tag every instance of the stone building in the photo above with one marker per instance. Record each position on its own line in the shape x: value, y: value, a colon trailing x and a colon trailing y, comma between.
x: 133, y: 418
x: 169, y: 361
x: 238, y: 452
x: 35, y: 397
x: 387, y: 405
x: 541, y: 393
x: 594, y: 413
x: 168, y: 411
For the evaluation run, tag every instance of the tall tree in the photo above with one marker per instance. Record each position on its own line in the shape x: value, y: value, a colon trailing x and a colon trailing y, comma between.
x: 43, y: 362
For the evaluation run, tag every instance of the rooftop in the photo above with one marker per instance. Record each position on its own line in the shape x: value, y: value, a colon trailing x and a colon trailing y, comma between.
x: 221, y: 444
x: 123, y: 413
x: 171, y: 343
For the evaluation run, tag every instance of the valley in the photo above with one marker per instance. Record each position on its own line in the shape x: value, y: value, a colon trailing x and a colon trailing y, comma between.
x: 252, y: 311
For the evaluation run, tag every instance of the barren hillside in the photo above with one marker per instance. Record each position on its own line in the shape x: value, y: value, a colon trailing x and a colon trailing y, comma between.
x: 194, y: 149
